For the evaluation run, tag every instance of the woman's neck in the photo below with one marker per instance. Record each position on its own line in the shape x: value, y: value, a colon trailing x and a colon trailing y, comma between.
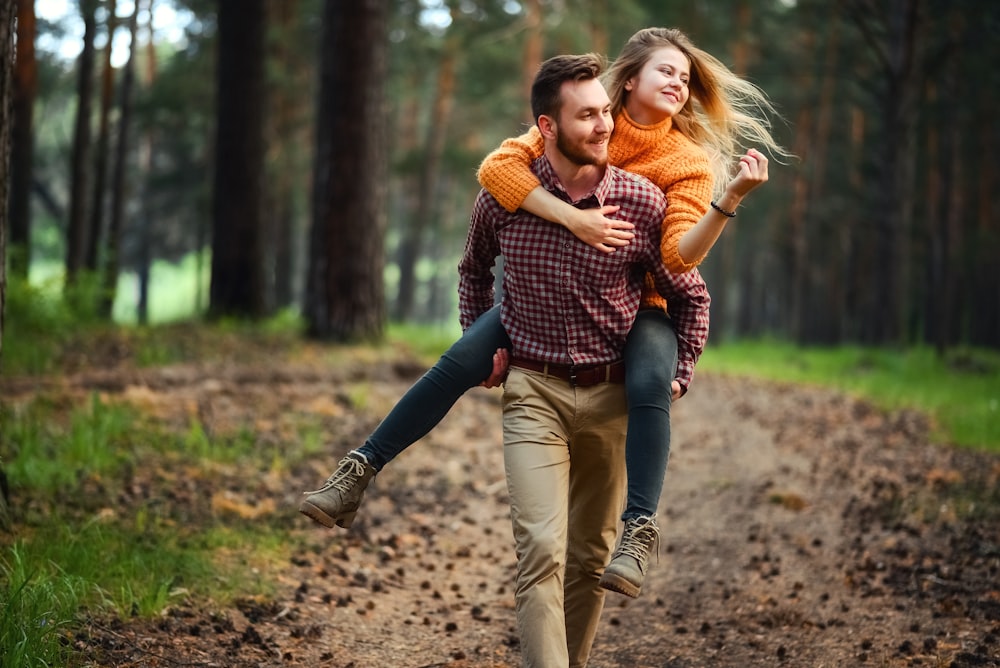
x: 644, y: 115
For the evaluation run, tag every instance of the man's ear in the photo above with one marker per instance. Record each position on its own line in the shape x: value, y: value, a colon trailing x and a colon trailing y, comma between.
x: 547, y: 126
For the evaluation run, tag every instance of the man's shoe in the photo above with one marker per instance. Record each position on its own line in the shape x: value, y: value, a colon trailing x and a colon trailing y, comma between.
x: 337, y: 501
x: 628, y: 564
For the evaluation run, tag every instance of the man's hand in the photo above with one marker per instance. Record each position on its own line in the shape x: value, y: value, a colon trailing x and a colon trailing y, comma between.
x: 501, y: 363
x: 592, y: 227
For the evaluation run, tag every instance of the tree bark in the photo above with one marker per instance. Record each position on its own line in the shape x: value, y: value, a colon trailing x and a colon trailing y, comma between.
x: 238, y: 284
x: 76, y: 227
x: 118, y: 182
x: 345, y: 289
x: 95, y: 227
x: 6, y: 123
x: 22, y: 140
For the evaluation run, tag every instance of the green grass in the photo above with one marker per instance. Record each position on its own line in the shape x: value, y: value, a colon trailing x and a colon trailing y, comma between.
x: 46, y: 456
x: 36, y: 604
x: 960, y: 391
x: 76, y: 551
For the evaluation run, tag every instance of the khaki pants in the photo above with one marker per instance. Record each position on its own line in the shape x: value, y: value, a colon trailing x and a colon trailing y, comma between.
x: 564, y: 453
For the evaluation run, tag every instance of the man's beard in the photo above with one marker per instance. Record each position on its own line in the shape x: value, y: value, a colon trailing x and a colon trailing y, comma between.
x: 577, y: 155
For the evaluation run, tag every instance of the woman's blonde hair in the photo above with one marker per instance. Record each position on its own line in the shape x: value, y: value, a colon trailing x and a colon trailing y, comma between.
x: 723, y: 111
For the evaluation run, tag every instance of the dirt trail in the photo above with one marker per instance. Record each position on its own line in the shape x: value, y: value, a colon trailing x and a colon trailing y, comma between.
x: 800, y: 528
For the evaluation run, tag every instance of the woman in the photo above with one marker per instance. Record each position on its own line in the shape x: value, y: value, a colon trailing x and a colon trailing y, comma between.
x: 659, y: 134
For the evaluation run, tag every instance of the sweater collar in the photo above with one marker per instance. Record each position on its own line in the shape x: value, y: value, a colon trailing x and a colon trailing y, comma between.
x: 626, y: 126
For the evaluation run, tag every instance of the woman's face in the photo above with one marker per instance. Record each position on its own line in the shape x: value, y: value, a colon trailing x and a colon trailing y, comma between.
x: 660, y: 89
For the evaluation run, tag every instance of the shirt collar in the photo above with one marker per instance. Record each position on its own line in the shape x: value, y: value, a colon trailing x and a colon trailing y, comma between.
x: 550, y: 181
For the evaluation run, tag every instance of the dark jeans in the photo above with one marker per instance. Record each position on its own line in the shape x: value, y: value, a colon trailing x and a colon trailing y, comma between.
x: 469, y: 362
x: 465, y: 365
x: 650, y: 365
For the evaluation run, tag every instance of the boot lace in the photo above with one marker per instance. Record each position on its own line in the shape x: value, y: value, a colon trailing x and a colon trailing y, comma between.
x: 642, y: 536
x: 348, y: 472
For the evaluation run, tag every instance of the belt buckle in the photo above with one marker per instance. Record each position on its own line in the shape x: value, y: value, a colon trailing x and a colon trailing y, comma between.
x: 572, y: 376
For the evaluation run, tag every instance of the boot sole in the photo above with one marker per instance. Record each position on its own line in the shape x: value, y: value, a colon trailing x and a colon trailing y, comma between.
x: 619, y: 585
x: 313, y: 512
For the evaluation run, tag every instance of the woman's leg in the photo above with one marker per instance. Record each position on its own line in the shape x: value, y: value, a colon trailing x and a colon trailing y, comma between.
x: 650, y: 364
x: 465, y: 365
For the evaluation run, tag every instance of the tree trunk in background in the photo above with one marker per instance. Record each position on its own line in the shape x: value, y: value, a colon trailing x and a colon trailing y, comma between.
x: 532, y: 56
x: 283, y: 124
x: 6, y: 125
x: 600, y: 19
x: 345, y: 289
x: 832, y: 265
x: 238, y: 284
x: 95, y: 227
x: 428, y: 194
x: 895, y: 154
x: 145, y: 159
x: 22, y: 141
x: 728, y: 292
x: 76, y: 227
x: 6, y: 122
x: 118, y: 185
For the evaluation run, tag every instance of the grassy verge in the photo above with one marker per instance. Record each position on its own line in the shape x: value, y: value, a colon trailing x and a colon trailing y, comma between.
x: 960, y: 390
x: 87, y: 544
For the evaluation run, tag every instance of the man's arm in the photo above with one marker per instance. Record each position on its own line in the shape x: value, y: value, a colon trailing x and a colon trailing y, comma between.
x: 475, y: 269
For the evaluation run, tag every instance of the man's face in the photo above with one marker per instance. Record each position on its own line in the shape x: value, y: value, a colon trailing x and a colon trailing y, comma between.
x: 584, y: 124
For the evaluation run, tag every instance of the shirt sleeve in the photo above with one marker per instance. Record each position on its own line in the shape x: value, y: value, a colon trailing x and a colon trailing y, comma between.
x: 689, y: 302
x: 506, y: 172
x: 475, y: 269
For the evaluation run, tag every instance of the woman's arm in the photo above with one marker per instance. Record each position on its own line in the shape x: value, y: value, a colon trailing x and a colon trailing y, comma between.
x: 695, y: 243
x: 506, y: 174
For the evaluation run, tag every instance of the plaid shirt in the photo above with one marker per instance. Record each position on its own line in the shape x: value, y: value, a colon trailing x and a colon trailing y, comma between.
x: 565, y: 302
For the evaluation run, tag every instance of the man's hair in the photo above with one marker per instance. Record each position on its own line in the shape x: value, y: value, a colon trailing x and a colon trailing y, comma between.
x: 554, y: 72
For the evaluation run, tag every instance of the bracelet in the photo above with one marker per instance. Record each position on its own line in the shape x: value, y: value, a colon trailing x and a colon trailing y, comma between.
x: 727, y: 214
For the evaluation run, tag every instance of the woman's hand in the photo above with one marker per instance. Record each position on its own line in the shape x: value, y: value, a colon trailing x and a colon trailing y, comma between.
x: 752, y: 174
x: 592, y: 227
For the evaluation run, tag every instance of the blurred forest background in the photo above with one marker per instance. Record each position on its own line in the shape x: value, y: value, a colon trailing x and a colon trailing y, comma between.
x: 189, y: 158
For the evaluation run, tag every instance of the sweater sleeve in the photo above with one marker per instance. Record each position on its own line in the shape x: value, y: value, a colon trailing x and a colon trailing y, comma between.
x: 506, y: 172
x: 688, y: 197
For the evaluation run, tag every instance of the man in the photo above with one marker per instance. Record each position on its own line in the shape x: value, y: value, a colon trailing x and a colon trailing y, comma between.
x: 567, y: 309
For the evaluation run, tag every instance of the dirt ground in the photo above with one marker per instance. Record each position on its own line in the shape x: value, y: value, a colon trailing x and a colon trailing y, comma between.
x: 800, y: 528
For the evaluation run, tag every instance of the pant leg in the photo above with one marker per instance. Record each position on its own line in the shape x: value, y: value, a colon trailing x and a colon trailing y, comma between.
x: 596, y: 496
x: 467, y: 363
x: 536, y: 459
x: 650, y: 364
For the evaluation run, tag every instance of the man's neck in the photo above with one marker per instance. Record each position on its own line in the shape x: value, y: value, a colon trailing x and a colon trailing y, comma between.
x: 578, y: 180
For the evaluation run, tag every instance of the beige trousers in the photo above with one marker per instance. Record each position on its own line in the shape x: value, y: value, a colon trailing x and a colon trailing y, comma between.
x: 564, y: 453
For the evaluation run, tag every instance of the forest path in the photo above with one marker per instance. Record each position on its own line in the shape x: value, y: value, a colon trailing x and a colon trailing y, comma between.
x: 800, y: 528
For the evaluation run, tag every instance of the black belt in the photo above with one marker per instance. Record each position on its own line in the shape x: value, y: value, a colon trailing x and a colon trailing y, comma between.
x: 577, y: 376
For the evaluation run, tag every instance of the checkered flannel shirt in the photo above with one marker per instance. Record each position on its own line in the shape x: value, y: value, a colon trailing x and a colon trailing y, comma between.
x: 565, y: 302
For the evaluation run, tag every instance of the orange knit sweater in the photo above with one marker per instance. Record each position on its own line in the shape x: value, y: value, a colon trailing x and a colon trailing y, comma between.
x: 659, y: 152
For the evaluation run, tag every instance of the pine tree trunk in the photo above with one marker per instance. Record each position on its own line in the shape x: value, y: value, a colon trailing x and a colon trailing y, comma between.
x: 345, y: 288
x: 118, y: 184
x: 95, y: 227
x: 76, y: 227
x: 238, y: 286
x: 6, y: 123
x: 22, y: 140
